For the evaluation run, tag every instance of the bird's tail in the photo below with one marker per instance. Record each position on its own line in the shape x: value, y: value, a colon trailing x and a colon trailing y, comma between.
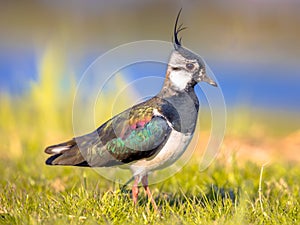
x: 66, y: 153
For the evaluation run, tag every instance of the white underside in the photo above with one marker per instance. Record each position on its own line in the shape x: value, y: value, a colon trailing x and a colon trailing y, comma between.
x: 172, y: 150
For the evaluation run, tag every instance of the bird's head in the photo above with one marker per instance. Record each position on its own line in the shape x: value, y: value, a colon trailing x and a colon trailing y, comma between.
x: 185, y: 68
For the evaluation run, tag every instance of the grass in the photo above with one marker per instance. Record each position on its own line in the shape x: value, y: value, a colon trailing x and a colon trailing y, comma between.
x: 32, y: 193
x: 228, y: 192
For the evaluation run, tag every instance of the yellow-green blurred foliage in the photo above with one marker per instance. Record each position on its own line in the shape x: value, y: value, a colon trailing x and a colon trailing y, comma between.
x: 43, y: 115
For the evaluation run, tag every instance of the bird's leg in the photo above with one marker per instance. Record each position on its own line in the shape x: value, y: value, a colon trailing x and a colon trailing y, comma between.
x: 147, y: 190
x: 135, y: 190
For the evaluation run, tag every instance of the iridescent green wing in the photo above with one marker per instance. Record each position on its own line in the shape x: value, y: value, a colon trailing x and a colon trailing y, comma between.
x: 127, y: 137
x: 141, y: 142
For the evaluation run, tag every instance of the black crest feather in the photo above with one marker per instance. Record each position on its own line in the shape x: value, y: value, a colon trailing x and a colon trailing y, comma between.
x: 177, y: 29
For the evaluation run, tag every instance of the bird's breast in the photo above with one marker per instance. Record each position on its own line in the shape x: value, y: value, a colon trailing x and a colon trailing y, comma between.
x: 170, y: 152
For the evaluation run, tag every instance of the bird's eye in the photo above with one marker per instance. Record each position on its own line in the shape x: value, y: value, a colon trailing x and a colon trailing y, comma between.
x: 190, y: 66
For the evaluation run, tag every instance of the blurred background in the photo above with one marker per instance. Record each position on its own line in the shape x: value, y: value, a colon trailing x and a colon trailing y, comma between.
x: 253, y: 48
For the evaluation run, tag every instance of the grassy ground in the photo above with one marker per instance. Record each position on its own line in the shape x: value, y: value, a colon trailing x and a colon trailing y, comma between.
x: 32, y: 193
x: 226, y: 193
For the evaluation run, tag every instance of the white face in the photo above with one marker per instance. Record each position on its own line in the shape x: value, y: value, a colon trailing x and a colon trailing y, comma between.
x: 181, y: 70
x: 179, y: 80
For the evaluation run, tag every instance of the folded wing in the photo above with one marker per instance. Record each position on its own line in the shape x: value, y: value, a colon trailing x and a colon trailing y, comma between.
x: 125, y: 138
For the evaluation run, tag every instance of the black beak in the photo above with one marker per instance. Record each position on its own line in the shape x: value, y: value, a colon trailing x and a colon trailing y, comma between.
x: 208, y: 80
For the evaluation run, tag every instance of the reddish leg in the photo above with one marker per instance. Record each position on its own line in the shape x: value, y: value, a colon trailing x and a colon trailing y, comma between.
x: 147, y: 189
x: 135, y: 189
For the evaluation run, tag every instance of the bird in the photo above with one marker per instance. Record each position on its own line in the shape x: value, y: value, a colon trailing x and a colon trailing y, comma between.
x: 150, y: 135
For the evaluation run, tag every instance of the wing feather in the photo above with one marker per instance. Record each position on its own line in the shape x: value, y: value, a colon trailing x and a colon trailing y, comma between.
x: 138, y: 143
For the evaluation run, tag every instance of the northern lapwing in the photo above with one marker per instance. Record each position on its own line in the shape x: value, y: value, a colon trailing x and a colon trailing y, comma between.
x: 150, y: 135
